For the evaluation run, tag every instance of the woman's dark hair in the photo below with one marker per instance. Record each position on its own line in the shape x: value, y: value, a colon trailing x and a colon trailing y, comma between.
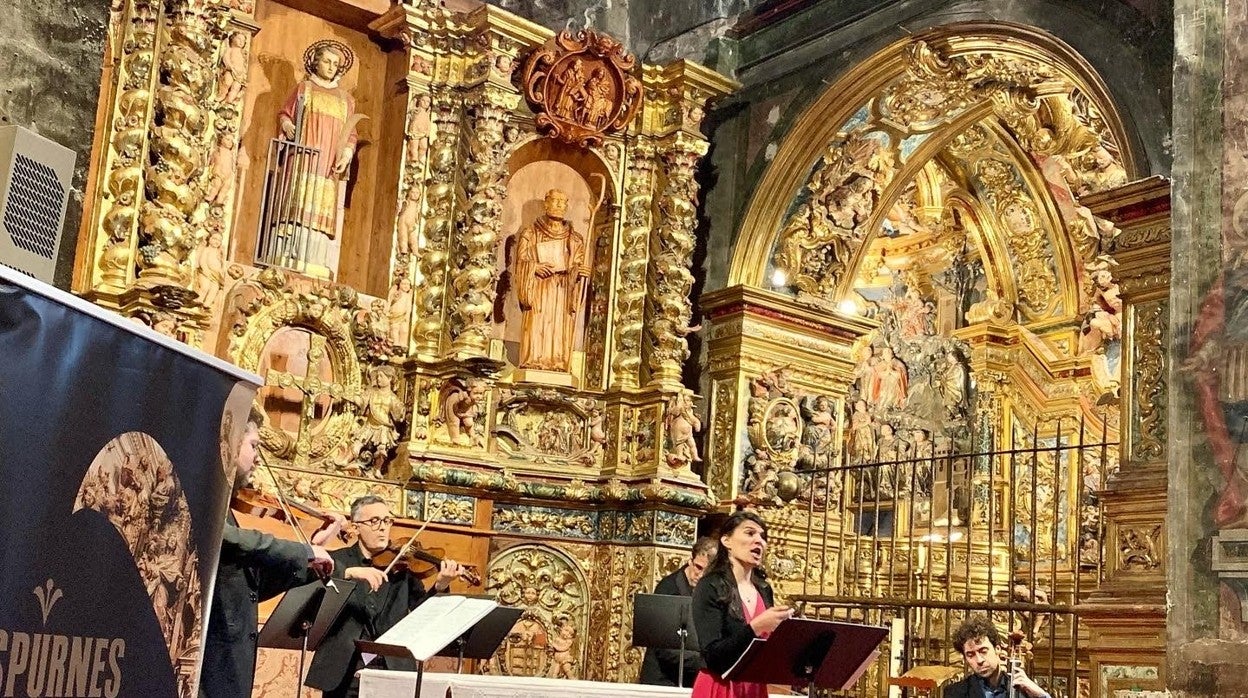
x: 719, y: 572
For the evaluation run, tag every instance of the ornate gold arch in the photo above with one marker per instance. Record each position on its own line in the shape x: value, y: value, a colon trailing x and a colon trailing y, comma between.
x: 1004, y: 70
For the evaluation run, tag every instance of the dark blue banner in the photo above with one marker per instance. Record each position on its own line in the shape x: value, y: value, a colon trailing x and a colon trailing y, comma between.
x: 115, y: 473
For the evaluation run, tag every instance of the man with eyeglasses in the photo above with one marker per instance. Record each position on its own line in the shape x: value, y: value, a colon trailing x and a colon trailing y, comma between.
x: 661, y: 667
x: 376, y: 605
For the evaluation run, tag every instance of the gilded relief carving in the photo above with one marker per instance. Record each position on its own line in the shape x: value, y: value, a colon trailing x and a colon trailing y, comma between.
x: 550, y: 637
x: 581, y: 87
x: 548, y: 521
x: 1149, y: 377
x: 546, y: 426
x: 816, y: 242
x: 1139, y: 548
x: 838, y: 205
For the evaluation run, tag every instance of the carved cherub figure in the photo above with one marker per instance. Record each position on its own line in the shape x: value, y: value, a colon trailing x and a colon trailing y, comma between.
x: 210, y: 270
x: 382, y: 411
x: 224, y: 160
x: 233, y: 71
x: 682, y: 422
x: 462, y: 403
x: 398, y: 311
x: 561, y: 645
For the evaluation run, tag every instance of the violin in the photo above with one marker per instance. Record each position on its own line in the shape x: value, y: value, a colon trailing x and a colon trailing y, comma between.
x: 408, y: 554
x: 256, y: 503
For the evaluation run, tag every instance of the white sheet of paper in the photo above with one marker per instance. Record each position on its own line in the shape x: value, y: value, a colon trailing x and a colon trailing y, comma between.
x: 436, y: 623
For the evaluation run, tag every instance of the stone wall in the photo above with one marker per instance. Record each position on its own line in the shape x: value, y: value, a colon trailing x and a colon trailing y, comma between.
x: 51, y: 53
x: 1207, y: 522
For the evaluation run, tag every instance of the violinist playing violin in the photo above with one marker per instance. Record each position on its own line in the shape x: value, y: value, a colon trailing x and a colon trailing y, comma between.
x: 378, y: 602
x: 254, y: 566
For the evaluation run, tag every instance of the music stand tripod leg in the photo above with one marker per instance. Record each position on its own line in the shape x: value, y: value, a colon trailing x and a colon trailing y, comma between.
x: 680, y: 672
x: 305, y: 626
x: 420, y: 676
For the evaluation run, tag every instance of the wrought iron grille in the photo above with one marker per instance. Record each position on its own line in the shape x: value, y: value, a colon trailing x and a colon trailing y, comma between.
x: 920, y: 544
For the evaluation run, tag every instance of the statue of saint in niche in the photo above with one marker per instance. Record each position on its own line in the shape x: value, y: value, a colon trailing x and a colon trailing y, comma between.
x: 318, y: 139
x: 551, y: 281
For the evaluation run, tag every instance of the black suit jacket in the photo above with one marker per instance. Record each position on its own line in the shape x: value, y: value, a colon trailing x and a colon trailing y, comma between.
x: 660, y: 667
x: 254, y: 567
x: 367, y: 615
x: 962, y: 688
x: 722, y: 632
x: 958, y: 689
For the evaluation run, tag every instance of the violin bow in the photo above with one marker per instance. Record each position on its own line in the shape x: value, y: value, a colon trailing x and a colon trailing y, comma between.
x: 290, y: 519
x: 407, y: 546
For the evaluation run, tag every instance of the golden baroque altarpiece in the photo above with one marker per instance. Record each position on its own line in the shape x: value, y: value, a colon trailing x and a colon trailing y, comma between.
x: 946, y: 272
x: 458, y: 250
x: 475, y: 292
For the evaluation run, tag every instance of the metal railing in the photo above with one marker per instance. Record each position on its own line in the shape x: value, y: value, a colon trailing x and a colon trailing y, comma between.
x: 1014, y: 533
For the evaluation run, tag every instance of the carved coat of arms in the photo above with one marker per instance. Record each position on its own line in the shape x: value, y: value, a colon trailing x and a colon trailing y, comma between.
x: 581, y: 87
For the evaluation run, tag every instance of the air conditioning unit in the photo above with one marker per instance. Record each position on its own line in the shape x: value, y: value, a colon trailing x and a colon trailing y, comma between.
x: 35, y: 179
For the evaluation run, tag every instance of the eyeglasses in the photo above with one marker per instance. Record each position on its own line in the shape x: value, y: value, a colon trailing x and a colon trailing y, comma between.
x: 376, y: 522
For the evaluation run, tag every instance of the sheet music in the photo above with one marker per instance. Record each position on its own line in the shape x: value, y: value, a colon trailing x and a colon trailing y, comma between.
x: 435, y: 624
x: 755, y: 646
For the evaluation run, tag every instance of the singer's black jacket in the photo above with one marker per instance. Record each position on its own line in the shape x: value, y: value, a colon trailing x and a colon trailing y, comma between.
x: 722, y: 630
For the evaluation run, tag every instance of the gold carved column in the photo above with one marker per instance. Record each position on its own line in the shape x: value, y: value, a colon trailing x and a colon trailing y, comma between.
x: 147, y: 207
x: 491, y: 99
x: 181, y: 120
x: 677, y: 123
x: 1127, y: 613
x: 754, y: 332
x: 630, y: 294
x: 121, y: 148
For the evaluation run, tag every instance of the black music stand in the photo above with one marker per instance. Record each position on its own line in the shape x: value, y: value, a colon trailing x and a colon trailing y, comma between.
x: 434, y: 630
x: 385, y: 650
x: 665, y: 622
x: 482, y: 640
x: 303, y: 617
x: 818, y: 653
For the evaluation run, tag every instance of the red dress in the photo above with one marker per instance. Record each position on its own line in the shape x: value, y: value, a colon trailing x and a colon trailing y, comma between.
x: 709, y: 685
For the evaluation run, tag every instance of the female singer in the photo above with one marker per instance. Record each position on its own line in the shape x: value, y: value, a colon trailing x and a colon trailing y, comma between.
x: 732, y: 605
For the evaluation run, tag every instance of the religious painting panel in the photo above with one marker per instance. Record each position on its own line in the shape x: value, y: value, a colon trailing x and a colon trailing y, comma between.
x: 1208, y: 405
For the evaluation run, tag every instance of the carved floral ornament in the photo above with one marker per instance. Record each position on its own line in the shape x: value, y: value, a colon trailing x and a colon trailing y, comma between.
x: 924, y: 111
x: 581, y: 87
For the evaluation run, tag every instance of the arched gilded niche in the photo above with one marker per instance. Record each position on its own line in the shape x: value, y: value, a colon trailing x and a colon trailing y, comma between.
x: 1015, y: 118
x: 589, y: 178
x: 549, y: 639
x: 301, y: 340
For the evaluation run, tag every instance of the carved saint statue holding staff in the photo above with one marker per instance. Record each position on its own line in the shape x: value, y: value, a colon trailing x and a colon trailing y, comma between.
x: 552, y: 280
